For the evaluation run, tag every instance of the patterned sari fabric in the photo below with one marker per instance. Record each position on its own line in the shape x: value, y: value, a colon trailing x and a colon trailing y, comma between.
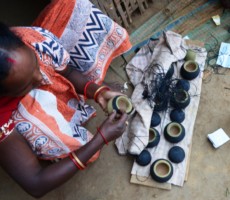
x: 91, y: 38
x: 50, y: 117
x: 7, y: 106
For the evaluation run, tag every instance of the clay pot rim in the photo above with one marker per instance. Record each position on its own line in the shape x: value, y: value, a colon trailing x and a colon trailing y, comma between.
x: 173, y: 124
x: 155, y: 139
x: 153, y: 131
x: 186, y: 94
x: 189, y: 62
x: 162, y: 161
x: 129, y: 108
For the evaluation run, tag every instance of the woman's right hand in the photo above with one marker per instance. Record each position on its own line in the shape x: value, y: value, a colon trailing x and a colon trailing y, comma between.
x: 114, y: 126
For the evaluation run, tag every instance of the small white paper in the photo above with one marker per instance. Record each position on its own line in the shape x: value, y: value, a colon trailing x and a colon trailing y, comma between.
x: 216, y: 19
x: 186, y: 37
x: 218, y: 138
x: 224, y: 55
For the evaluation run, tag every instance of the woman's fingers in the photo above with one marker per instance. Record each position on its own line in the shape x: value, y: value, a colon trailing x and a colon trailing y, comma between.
x: 104, y: 98
x: 110, y: 94
x: 123, y: 118
x: 102, y: 105
x: 122, y: 122
x: 112, y: 116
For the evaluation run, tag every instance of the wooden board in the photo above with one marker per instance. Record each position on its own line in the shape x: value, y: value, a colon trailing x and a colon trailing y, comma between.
x: 192, y: 110
x: 148, y: 181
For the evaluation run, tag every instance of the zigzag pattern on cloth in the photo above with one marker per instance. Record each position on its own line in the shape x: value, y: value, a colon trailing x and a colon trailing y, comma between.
x: 51, y: 47
x: 79, y: 131
x: 84, y: 53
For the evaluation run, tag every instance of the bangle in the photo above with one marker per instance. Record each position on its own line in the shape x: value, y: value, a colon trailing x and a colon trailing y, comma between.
x: 99, y: 91
x: 103, y: 137
x: 76, y: 161
x: 85, y: 88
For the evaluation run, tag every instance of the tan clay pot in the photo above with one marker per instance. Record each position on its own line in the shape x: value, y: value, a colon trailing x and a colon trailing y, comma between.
x: 120, y: 103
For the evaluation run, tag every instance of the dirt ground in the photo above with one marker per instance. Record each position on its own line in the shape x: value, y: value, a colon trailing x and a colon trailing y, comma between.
x: 109, y: 177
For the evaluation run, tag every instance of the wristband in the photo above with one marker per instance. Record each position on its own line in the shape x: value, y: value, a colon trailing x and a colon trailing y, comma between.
x: 103, y: 137
x: 85, y: 88
x: 76, y: 161
x: 99, y: 91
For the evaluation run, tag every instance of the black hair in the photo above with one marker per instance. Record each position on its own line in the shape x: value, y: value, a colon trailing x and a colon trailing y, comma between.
x: 8, y: 41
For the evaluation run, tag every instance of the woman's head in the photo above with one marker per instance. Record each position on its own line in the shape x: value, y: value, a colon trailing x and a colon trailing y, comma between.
x: 8, y: 41
x: 19, y: 70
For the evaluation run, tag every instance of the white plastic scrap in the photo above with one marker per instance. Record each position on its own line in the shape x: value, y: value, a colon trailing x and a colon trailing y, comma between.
x: 126, y: 86
x: 216, y: 19
x: 218, y: 138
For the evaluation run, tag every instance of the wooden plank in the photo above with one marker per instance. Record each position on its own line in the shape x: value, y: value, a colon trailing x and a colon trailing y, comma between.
x: 176, y: 6
x: 111, y: 10
x: 127, y: 10
x: 180, y: 171
x: 148, y: 181
x: 188, y: 162
x: 121, y: 10
x: 95, y: 2
x: 99, y: 5
x: 199, y: 19
x: 141, y: 6
x: 133, y: 4
x: 121, y: 13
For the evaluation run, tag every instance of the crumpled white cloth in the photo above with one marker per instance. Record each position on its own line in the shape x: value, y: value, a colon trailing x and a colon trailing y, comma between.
x: 168, y: 49
x: 136, y: 137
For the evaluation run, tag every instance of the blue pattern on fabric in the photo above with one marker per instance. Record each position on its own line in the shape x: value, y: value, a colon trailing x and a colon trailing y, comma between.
x: 84, y: 53
x: 23, y: 127
x: 81, y: 132
x: 40, y: 141
x: 51, y: 47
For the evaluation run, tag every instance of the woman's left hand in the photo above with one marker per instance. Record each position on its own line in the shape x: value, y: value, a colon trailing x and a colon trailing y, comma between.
x: 104, y: 98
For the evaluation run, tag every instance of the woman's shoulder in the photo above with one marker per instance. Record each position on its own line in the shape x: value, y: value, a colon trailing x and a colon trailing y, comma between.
x: 33, y: 34
x: 46, y: 44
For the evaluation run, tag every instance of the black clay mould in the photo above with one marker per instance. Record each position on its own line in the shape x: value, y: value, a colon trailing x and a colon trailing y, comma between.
x: 155, y: 119
x: 190, y: 70
x: 183, y: 84
x: 176, y: 154
x: 180, y: 99
x: 144, y: 158
x: 174, y: 132
x: 154, y: 138
x: 177, y: 115
x: 161, y: 170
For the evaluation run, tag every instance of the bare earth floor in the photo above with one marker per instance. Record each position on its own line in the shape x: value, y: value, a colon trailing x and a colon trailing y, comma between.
x: 109, y: 177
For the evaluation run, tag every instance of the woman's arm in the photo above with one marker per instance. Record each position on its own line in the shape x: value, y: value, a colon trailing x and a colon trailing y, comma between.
x: 22, y: 165
x: 79, y: 81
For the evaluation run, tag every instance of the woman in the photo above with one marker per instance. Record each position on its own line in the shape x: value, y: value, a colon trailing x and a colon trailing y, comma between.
x: 39, y: 99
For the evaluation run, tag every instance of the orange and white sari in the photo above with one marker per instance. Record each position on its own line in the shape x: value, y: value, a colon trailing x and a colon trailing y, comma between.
x: 50, y: 117
x: 92, y: 39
